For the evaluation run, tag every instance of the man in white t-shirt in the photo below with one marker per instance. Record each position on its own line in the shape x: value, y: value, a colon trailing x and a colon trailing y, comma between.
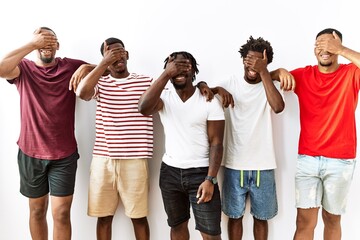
x: 194, y: 129
x: 249, y: 155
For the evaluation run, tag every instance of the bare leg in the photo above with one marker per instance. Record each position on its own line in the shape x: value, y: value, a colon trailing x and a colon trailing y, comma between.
x: 103, y: 228
x: 61, y: 215
x: 332, y: 226
x: 180, y: 232
x: 260, y: 229
x: 306, y: 221
x: 235, y: 228
x: 37, y: 222
x: 210, y: 237
x: 141, y: 228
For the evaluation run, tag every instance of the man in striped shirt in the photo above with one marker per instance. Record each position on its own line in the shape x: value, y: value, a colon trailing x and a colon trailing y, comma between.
x: 124, y: 141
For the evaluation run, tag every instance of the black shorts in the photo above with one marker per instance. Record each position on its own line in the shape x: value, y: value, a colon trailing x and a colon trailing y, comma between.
x: 179, y: 188
x: 38, y: 177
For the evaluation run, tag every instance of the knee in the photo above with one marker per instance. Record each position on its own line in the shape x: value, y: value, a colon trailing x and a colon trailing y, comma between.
x: 105, y: 221
x: 259, y: 222
x: 61, y: 214
x: 330, y: 219
x: 306, y: 221
x: 38, y: 213
x: 140, y: 221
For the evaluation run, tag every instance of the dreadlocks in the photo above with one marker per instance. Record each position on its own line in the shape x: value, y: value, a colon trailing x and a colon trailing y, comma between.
x: 187, y: 56
x: 257, y: 45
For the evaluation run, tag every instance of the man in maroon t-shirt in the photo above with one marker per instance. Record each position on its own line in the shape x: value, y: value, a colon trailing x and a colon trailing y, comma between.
x: 48, y: 153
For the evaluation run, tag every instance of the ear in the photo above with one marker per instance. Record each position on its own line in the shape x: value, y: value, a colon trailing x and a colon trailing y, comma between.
x: 58, y: 46
x: 127, y: 55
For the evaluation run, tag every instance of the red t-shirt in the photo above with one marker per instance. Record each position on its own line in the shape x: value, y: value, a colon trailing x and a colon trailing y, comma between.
x: 47, y: 109
x: 327, y: 110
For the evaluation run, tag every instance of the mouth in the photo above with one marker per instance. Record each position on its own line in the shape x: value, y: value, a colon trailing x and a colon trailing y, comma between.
x: 180, y: 78
x: 252, y: 73
x: 119, y: 64
x: 325, y: 56
x: 45, y: 51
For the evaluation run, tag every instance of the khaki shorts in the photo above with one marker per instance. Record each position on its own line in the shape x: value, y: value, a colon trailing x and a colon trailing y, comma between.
x: 112, y: 180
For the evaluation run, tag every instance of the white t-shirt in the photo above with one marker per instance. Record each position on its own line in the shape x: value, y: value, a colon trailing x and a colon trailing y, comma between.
x: 185, y: 128
x: 248, y: 142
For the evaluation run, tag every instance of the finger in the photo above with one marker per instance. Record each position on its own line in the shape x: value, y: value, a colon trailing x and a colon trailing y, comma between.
x: 264, y: 55
x: 70, y: 84
x: 199, y: 195
x: 335, y: 35
x: 37, y: 31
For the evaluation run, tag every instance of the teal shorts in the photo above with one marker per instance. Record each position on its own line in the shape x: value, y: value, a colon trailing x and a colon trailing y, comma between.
x: 38, y: 177
x: 322, y: 181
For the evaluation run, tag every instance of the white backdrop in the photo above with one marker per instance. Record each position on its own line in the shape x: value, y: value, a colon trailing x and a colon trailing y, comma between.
x: 212, y: 31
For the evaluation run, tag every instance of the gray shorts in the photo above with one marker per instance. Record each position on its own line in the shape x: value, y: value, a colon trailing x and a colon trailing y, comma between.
x: 38, y: 177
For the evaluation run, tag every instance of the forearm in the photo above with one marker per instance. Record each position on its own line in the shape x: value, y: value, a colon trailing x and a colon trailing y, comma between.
x: 215, y: 158
x: 351, y: 55
x: 11, y: 60
x: 272, y: 94
x: 275, y: 74
x: 150, y: 101
x: 85, y: 89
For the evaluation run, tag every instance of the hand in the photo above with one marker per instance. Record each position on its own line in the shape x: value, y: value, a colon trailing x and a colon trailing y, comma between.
x: 78, y: 75
x: 175, y: 67
x: 205, y: 192
x: 255, y: 63
x: 227, y: 98
x: 287, y: 80
x: 331, y: 45
x: 44, y: 39
x: 112, y: 55
x: 205, y: 91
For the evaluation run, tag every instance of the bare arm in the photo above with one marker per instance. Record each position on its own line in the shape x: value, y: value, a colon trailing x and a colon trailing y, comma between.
x: 272, y: 94
x: 150, y: 102
x: 335, y: 46
x: 9, y: 64
x: 85, y: 88
x: 215, y: 130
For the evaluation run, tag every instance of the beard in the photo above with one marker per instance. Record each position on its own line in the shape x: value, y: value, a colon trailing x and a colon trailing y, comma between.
x: 179, y: 86
x: 325, y: 64
x: 47, y: 59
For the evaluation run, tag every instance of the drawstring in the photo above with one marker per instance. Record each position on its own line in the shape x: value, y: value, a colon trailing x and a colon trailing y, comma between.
x: 242, y: 178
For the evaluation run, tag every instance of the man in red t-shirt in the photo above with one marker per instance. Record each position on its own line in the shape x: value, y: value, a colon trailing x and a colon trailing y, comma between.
x: 48, y: 153
x: 328, y: 95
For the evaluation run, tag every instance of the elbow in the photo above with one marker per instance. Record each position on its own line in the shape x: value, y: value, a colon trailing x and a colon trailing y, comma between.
x: 279, y: 108
x: 83, y: 95
x: 143, y: 110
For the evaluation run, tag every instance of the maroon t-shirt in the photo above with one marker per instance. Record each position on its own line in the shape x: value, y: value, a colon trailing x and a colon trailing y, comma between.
x: 47, y: 109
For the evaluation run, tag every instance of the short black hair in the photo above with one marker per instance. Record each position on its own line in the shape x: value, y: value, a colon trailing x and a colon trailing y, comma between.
x: 329, y: 31
x: 186, y: 55
x: 49, y: 29
x: 257, y: 45
x: 110, y: 41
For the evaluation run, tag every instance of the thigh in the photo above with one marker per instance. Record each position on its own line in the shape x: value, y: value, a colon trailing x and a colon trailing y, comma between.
x: 233, y: 194
x: 175, y: 199
x: 308, y: 184
x: 337, y: 180
x: 133, y: 186
x: 103, y: 195
x: 33, y: 176
x: 263, y: 197
x: 62, y: 174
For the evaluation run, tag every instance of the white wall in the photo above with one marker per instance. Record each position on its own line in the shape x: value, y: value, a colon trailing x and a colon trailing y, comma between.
x: 212, y: 31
